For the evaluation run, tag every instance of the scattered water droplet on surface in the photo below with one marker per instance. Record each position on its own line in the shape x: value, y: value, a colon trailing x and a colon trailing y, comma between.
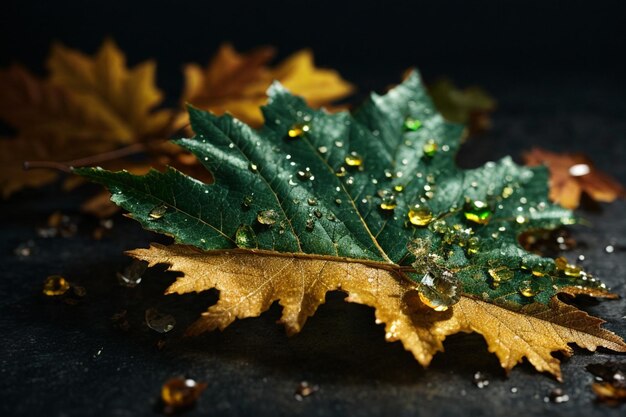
x: 159, y: 322
x: 527, y: 289
x: 253, y: 167
x: 55, y: 285
x: 132, y: 274
x: 180, y: 393
x: 557, y: 395
x: 579, y: 170
x: 24, y: 250
x: 480, y: 380
x: 609, y: 249
x: 304, y: 390
x: 438, y: 290
x: 310, y: 224
x: 477, y: 212
x: 430, y: 148
x: 388, y: 202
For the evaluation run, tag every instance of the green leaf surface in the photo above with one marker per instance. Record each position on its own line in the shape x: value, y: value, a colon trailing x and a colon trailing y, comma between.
x: 344, y: 185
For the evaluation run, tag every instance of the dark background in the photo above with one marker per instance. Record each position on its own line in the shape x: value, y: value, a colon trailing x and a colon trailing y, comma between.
x: 557, y: 71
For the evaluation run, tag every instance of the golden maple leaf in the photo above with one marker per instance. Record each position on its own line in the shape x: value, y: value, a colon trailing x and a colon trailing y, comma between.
x: 574, y: 174
x: 237, y: 83
x: 249, y: 281
x: 86, y: 106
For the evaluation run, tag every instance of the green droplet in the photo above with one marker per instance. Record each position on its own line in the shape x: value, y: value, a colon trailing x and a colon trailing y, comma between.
x: 157, y: 212
x: 267, y: 217
x: 245, y: 237
x: 477, y: 212
x: 412, y: 124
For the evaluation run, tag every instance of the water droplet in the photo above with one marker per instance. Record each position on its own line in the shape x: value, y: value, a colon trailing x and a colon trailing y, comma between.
x: 131, y: 275
x: 388, y: 174
x: 341, y: 171
x: 439, y: 226
x: 398, y: 188
x: 305, y: 389
x: 480, y: 380
x: 159, y: 322
x: 322, y: 149
x: 354, y: 159
x: 477, y: 212
x: 420, y: 215
x: 310, y: 224
x: 247, y: 201
x: 609, y: 249
x: 501, y: 273
x: 24, y: 250
x: 317, y: 213
x: 430, y: 148
x: 245, y: 237
x: 411, y: 124
x: 267, y: 217
x: 438, y: 290
x: 557, y: 396
x: 55, y: 285
x: 388, y: 202
x: 298, y: 130
x: 253, y: 167
x: 311, y: 201
x: 157, y: 212
x: 180, y: 393
x: 305, y: 175
x: 339, y: 144
x: 338, y: 201
x: 527, y: 289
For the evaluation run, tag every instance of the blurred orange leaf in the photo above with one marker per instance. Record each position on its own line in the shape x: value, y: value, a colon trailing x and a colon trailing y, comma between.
x: 572, y: 174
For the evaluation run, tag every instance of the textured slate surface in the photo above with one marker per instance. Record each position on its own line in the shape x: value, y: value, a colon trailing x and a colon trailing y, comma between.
x: 49, y: 361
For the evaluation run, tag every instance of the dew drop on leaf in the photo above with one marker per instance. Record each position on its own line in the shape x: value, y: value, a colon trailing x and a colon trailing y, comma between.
x: 131, y: 275
x: 267, y: 217
x: 55, y: 285
x: 245, y: 237
x: 411, y: 124
x: 388, y: 202
x: 477, y: 212
x: 438, y: 289
x: 527, y: 289
x: 420, y: 215
x: 341, y: 171
x: 253, y: 167
x: 500, y: 274
x: 157, y: 212
x: 310, y: 224
x: 430, y: 148
x: 298, y: 130
x: 353, y: 159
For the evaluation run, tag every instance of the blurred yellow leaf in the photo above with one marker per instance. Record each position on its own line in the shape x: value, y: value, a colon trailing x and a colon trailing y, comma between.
x: 236, y: 83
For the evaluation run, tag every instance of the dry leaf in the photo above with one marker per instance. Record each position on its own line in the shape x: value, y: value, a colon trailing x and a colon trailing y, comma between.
x: 250, y: 281
x: 236, y: 83
x: 573, y: 174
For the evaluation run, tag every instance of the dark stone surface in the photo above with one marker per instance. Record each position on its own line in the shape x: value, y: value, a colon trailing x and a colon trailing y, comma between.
x: 70, y: 360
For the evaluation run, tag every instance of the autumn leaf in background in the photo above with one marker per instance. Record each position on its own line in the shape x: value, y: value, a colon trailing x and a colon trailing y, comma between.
x: 237, y: 83
x: 571, y: 175
x: 90, y: 105
x: 87, y: 105
x: 471, y: 106
x: 374, y: 205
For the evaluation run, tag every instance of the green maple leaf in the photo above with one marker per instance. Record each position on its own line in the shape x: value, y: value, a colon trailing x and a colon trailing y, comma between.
x: 379, y: 188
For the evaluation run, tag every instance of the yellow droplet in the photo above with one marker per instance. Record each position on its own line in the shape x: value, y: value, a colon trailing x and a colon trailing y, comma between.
x: 298, y: 130
x: 507, y: 191
x: 538, y: 273
x: 181, y: 392
x: 527, y: 290
x: 430, y: 148
x: 388, y: 202
x: 572, y: 271
x: 398, y: 188
x: 420, y: 215
x: 157, y: 212
x: 354, y: 159
x: 501, y: 273
x: 341, y: 172
x: 431, y: 304
x: 55, y: 285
